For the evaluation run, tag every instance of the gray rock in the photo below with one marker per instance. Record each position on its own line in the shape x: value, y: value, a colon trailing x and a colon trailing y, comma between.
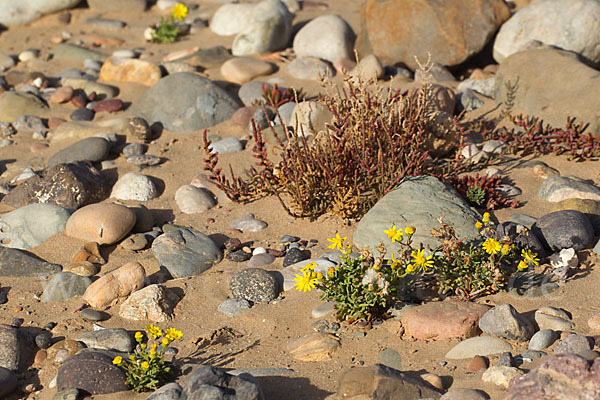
x: 295, y: 255
x: 247, y: 223
x: 15, y: 262
x: 479, y: 345
x: 532, y: 355
x: 260, y: 119
x: 108, y: 339
x: 505, y: 360
x: 15, y: 104
x: 481, y: 86
x: 437, y: 73
x: 531, y: 284
x: 464, y: 394
x: 232, y: 307
x: 192, y: 200
x: 134, y: 186
x: 105, y: 23
x: 93, y: 315
x: 170, y: 391
x: 268, y: 28
x: 505, y: 322
x: 65, y: 285
x: 564, y: 229
x: 227, y: 145
x: 328, y: 37
x: 134, y: 149
x: 231, y: 19
x: 185, y: 102
x: 512, y: 230
x: 311, y: 68
x: 8, y: 381
x: 417, y: 201
x: 254, y: 284
x: 43, y: 340
x: 252, y: 92
x: 17, y: 13
x: 390, y: 358
x: 9, y: 347
x: 185, y: 252
x: 547, y: 21
x: 81, y: 372
x: 553, y: 318
x: 468, y: 101
x: 29, y: 123
x: 68, y: 394
x: 92, y: 149
x: 213, y: 383
x: 31, y: 225
x: 559, y: 188
x: 573, y: 344
x: 285, y: 112
x: 258, y: 260
x: 542, y: 339
x: 70, y: 51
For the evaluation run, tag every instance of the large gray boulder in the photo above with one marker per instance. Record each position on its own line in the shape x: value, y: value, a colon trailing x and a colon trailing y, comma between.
x: 18, y: 12
x: 185, y: 102
x: 417, y: 201
x: 570, y: 25
x: 552, y: 85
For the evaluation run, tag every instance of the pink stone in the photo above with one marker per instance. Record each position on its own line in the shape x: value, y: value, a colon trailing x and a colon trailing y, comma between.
x: 109, y: 105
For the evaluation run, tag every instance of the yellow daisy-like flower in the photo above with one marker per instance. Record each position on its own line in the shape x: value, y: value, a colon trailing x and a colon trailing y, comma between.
x: 522, y: 265
x: 173, y: 334
x: 337, y: 242
x: 492, y: 246
x: 391, y: 232
x: 308, y: 267
x: 179, y: 11
x: 505, y: 249
x: 304, y: 282
x: 153, y: 331
x: 118, y: 360
x: 153, y: 348
x: 530, y: 257
x: 330, y: 272
x: 410, y: 230
x: 398, y: 236
x: 139, y: 336
x: 420, y: 260
x: 478, y: 225
x: 410, y: 269
x: 143, y: 346
x: 165, y: 342
x: 319, y: 276
x: 486, y: 217
x: 145, y: 365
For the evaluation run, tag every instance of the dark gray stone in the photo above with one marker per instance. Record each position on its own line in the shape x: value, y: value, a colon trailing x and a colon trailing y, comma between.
x: 65, y: 285
x: 29, y: 123
x: 15, y: 262
x: 254, y: 284
x: 573, y: 344
x: 505, y: 322
x: 71, y: 51
x: 9, y: 347
x: 505, y: 360
x: 82, y: 114
x: 185, y: 102
x: 542, y: 339
x: 390, y: 358
x: 108, y: 339
x: 213, y: 383
x: 532, y: 355
x: 294, y: 255
x: 93, y: 149
x: 185, y: 252
x: 92, y: 372
x: 8, y: 381
x: 232, y: 307
x: 261, y: 119
x: 93, y: 315
x: 523, y: 240
x: 227, y: 145
x: 238, y: 256
x: 417, y: 201
x: 564, y: 229
x: 468, y: 101
x: 170, y: 391
x: 43, y: 340
x: 134, y: 149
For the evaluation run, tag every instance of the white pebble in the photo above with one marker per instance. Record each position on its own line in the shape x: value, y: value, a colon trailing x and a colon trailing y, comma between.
x: 259, y: 250
x: 124, y: 54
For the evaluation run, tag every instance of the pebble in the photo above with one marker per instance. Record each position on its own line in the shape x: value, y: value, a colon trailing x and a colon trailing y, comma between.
x: 92, y: 149
x: 295, y: 255
x: 310, y: 68
x: 573, y: 343
x: 553, y: 318
x: 390, y: 358
x: 65, y: 285
x: 139, y: 128
x: 134, y: 186
x: 193, y: 200
x: 505, y: 322
x: 532, y: 355
x: 241, y: 70
x: 144, y: 160
x: 323, y: 309
x: 151, y: 303
x: 501, y: 376
x: 248, y: 223
x: 255, y: 285
x: 327, y: 37
x: 233, y: 244
x: 103, y: 223
x: 82, y: 114
x: 478, y: 364
x: 232, y: 307
x: 108, y: 339
x: 62, y: 95
x: 108, y: 105
x: 134, y: 149
x: 43, y: 340
x: 135, y: 242
x: 227, y: 145
x: 434, y: 380
x: 93, y: 315
x: 238, y: 256
x: 565, y: 229
x: 314, y: 347
x: 557, y: 188
x: 480, y: 345
x: 542, y: 339
x: 259, y: 260
x: 594, y: 322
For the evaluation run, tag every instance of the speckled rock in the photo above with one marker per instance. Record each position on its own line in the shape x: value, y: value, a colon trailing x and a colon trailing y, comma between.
x: 254, y: 284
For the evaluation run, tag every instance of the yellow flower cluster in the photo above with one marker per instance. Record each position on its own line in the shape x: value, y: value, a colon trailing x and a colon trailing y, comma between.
x: 179, y: 11
x: 529, y: 259
x: 307, y: 281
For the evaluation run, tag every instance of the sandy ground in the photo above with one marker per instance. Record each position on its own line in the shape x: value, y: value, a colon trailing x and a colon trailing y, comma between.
x: 255, y: 338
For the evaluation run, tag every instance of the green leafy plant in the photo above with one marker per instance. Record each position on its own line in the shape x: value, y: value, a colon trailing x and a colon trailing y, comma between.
x: 482, y: 191
x: 167, y: 30
x: 146, y: 369
x: 476, y: 195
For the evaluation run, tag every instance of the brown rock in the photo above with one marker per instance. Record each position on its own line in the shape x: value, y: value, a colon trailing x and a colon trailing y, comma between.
x: 594, y: 322
x: 233, y: 244
x: 587, y: 206
x: 148, y: 304
x: 40, y: 356
x: 104, y: 223
x: 88, y: 252
x: 130, y: 70
x: 54, y: 122
x: 92, y: 372
x: 67, y: 185
x: 62, y: 95
x: 243, y: 69
x: 37, y: 147
x: 478, y: 363
x: 15, y: 78
x: 71, y: 346
x: 314, y: 347
x: 83, y: 268
x: 443, y: 320
x: 434, y: 380
x: 139, y: 128
x: 78, y: 101
x: 451, y: 31
x: 109, y: 105
x: 381, y: 382
x: 243, y: 115
x: 116, y: 284
x: 543, y: 171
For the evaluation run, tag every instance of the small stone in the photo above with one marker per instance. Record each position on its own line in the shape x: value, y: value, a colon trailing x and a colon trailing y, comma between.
x: 247, y: 223
x: 310, y: 68
x: 117, y: 69
x: 62, y: 95
x: 532, y: 355
x: 314, y: 347
x: 478, y: 364
x: 193, y: 200
x: 295, y: 255
x: 241, y: 70
x: 327, y: 37
x: 323, y: 309
x: 390, y: 358
x: 150, y: 303
x: 40, y: 356
x: 108, y: 339
x: 93, y: 315
x: 594, y: 322
x: 89, y: 252
x: 233, y: 244
x: 227, y: 145
x: 259, y: 260
x: 557, y: 188
x: 144, y: 160
x: 543, y: 171
x: 139, y: 128
x: 573, y: 344
x: 505, y: 322
x: 553, y: 318
x: 9, y: 348
x: 82, y: 114
x: 232, y: 307
x: 501, y: 376
x: 108, y: 105
x: 238, y: 256
x: 288, y: 239
x: 103, y: 223
x: 118, y: 283
x: 135, y: 242
x: 43, y: 340
x: 564, y: 229
x: 434, y: 380
x: 542, y: 339
x: 480, y: 345
x: 505, y: 360
x: 65, y: 285
x: 464, y: 394
x: 134, y: 186
x: 254, y: 284
x: 81, y: 371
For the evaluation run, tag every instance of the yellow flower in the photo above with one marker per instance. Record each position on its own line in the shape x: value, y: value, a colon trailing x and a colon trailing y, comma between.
x: 337, y: 242
x: 420, y: 260
x: 491, y: 246
x: 522, y: 265
x: 132, y: 357
x: 153, y: 347
x: 152, y: 356
x: 173, y: 334
x: 179, y: 11
x: 118, y: 360
x: 410, y: 269
x: 398, y: 236
x: 530, y: 257
x: 139, y: 336
x: 410, y: 230
x: 331, y: 272
x: 486, y: 217
x: 391, y: 232
x: 145, y: 365
x: 304, y: 282
x: 308, y: 267
x: 478, y: 225
x: 153, y: 331
x: 166, y: 341
x: 143, y: 346
x: 319, y: 276
x: 505, y: 249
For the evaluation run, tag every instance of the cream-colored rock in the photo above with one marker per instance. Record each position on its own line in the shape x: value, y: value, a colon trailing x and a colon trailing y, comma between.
x: 104, y: 223
x: 243, y: 69
x: 116, y: 284
x: 192, y: 200
x: 310, y: 117
x: 314, y: 347
x: 148, y: 304
x: 132, y: 70
x: 368, y: 69
x: 83, y: 268
x: 501, y: 375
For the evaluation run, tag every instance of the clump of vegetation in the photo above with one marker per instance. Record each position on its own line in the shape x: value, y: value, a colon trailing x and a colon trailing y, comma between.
x: 146, y: 369
x: 275, y: 97
x: 482, y: 191
x: 167, y: 30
